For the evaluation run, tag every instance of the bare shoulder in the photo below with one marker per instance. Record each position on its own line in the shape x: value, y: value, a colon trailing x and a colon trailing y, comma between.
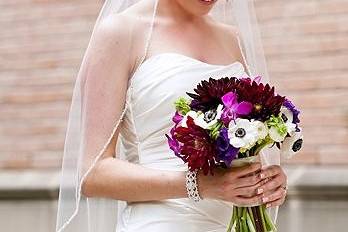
x: 225, y: 29
x: 126, y: 25
x: 116, y: 29
x: 229, y: 34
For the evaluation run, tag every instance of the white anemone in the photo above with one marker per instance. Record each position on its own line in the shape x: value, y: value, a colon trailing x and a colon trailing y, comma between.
x: 291, y: 145
x: 204, y: 120
x: 288, y: 117
x: 209, y: 118
x: 261, y: 129
x: 275, y: 135
x: 192, y: 114
x: 242, y: 133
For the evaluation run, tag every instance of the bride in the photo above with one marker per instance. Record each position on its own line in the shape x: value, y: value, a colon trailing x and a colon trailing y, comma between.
x: 142, y: 56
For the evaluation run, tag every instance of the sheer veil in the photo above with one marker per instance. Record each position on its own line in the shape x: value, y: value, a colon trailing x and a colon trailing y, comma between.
x: 99, y: 104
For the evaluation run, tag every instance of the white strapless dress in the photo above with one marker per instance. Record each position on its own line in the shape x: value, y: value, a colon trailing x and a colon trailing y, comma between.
x: 157, y: 83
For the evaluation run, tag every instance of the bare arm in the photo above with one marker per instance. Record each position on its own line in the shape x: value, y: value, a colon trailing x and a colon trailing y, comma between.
x: 110, y: 61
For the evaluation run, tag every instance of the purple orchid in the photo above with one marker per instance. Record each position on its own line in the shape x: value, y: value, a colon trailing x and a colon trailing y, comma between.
x: 233, y: 109
x: 225, y: 151
x: 177, y: 118
x: 173, y: 143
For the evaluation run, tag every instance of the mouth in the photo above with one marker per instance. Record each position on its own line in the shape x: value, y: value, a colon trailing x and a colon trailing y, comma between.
x: 208, y: 2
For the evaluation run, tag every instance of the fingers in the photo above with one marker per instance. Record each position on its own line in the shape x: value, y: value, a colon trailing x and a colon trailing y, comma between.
x: 276, y: 200
x: 247, y: 170
x: 278, y: 194
x: 276, y: 180
x: 246, y: 187
x: 248, y: 201
x: 246, y: 191
x: 271, y: 171
x: 247, y: 181
x: 274, y: 183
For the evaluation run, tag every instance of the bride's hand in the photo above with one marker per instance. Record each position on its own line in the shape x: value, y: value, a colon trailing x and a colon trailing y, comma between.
x: 274, y: 190
x: 245, y: 186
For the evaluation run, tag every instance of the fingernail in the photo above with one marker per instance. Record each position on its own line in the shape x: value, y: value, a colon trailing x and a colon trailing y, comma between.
x: 265, y: 199
x: 259, y: 191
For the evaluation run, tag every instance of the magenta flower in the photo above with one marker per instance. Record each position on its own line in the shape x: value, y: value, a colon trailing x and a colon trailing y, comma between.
x: 173, y: 143
x: 177, y: 118
x: 233, y: 109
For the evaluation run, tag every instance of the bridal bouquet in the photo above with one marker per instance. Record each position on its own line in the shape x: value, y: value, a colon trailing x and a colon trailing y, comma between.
x: 229, y: 120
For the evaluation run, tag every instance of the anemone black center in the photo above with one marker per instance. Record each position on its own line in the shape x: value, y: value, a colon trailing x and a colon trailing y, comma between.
x: 210, y: 115
x: 285, y: 119
x: 297, y: 145
x: 240, y: 133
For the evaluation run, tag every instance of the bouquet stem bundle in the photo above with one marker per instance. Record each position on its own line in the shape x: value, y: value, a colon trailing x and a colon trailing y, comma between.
x: 251, y: 219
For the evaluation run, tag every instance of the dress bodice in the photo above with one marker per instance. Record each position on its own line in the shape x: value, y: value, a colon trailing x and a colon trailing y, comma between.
x: 157, y: 83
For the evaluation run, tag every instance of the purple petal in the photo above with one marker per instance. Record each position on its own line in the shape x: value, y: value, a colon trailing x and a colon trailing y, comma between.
x: 227, y: 115
x: 173, y: 145
x: 230, y: 155
x: 244, y: 108
x: 288, y: 104
x: 177, y: 118
x: 229, y: 99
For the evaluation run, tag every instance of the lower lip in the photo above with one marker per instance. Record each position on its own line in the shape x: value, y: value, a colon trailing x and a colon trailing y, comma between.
x: 207, y: 2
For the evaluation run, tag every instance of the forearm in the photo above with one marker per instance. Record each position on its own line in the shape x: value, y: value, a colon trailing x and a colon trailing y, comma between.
x: 118, y: 179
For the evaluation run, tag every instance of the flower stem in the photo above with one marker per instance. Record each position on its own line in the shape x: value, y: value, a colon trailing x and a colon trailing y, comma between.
x: 250, y: 221
x: 268, y: 220
x: 257, y: 219
x: 251, y: 216
x: 244, y: 219
x: 260, y: 208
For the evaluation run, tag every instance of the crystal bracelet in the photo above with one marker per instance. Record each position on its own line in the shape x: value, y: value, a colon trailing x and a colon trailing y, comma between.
x: 192, y: 185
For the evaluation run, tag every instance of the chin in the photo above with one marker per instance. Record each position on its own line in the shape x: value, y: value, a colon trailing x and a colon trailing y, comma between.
x: 197, y: 7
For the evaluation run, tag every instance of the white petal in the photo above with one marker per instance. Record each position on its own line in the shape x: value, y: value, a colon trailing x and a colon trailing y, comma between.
x: 262, y: 129
x: 251, y: 133
x: 286, y: 147
x: 288, y: 113
x: 291, y: 128
x: 192, y: 114
x: 199, y: 121
x: 237, y: 142
x: 274, y: 134
x: 219, y: 112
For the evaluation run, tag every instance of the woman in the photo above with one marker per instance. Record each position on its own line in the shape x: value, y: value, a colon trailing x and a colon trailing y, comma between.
x: 138, y: 63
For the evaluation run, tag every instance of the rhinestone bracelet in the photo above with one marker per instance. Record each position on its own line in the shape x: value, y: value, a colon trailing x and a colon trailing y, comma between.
x: 192, y: 185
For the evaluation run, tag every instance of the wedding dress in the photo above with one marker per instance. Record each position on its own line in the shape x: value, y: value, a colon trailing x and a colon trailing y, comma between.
x: 157, y: 83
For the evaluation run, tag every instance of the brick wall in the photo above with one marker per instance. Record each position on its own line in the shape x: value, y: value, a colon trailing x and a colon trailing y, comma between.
x: 306, y: 43
x: 41, y: 47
